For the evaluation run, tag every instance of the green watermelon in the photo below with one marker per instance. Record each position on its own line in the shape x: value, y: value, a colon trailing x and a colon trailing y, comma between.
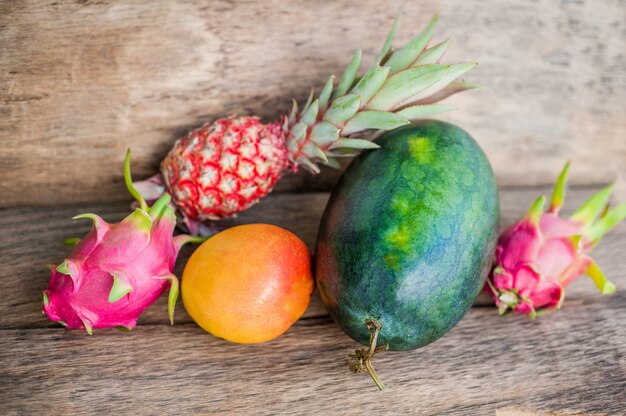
x: 408, y: 236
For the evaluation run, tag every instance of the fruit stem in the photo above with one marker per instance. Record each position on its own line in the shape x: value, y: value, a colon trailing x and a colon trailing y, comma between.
x: 364, y: 356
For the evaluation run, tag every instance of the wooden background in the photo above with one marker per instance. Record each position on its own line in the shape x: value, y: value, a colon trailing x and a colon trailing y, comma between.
x: 81, y: 81
x: 572, y: 362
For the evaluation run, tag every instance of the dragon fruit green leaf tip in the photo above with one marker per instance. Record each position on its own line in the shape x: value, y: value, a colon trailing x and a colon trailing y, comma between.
x: 117, y: 270
x: 543, y: 253
x: 226, y: 166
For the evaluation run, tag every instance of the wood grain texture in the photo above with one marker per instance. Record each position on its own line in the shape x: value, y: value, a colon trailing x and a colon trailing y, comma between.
x: 571, y: 362
x: 82, y: 81
x: 32, y: 238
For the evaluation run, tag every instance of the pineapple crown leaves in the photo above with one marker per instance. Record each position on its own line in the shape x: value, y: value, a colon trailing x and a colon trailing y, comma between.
x: 402, y: 85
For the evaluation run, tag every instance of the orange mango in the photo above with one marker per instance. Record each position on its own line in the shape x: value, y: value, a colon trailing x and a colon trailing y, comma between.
x: 248, y: 284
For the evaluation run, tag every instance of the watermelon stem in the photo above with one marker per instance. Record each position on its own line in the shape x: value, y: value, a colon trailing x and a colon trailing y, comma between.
x: 364, y: 356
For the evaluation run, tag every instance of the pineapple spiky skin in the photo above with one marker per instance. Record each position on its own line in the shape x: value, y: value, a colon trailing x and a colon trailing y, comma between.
x: 226, y: 166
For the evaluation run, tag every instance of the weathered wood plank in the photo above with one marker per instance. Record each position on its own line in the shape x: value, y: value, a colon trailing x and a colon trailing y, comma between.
x: 30, y: 238
x: 81, y: 81
x: 570, y: 363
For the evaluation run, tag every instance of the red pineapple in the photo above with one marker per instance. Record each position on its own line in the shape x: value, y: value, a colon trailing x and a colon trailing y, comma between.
x: 226, y: 166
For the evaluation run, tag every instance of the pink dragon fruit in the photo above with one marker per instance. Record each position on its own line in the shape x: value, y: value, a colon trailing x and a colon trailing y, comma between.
x: 117, y: 270
x: 540, y: 255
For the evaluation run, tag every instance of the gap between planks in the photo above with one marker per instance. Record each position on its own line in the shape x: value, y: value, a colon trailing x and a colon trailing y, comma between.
x: 27, y: 244
x: 566, y: 363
